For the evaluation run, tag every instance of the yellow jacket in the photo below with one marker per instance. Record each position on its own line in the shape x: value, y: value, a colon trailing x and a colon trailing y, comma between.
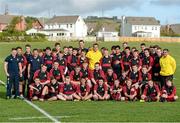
x: 93, y: 58
x: 168, y: 65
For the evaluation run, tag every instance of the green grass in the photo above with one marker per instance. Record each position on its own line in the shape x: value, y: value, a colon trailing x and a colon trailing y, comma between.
x: 91, y: 111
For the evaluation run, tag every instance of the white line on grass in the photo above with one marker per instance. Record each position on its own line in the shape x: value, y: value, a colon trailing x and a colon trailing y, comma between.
x: 42, y: 111
x: 29, y: 118
x: 37, y: 108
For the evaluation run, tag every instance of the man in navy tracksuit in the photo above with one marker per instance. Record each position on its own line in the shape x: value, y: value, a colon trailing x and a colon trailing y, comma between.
x: 13, y: 69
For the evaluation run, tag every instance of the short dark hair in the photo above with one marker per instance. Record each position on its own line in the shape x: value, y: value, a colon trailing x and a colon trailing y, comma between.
x: 27, y: 45
x: 166, y: 50
x: 95, y: 44
x: 81, y: 41
x: 48, y: 48
x: 35, y: 49
x: 13, y: 49
x: 56, y: 44
x: 18, y: 48
x: 143, y: 44
x: 118, y: 47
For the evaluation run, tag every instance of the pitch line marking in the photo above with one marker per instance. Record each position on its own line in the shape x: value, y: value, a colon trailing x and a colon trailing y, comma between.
x: 37, y: 108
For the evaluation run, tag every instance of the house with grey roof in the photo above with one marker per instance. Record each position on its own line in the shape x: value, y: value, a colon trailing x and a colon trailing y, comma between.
x: 140, y: 27
x: 66, y: 26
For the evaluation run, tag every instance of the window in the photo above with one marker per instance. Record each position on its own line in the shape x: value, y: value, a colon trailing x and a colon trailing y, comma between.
x: 152, y: 28
x: 145, y: 27
x: 67, y: 25
x: 135, y: 28
x: 71, y: 25
x: 59, y: 26
x: 155, y: 28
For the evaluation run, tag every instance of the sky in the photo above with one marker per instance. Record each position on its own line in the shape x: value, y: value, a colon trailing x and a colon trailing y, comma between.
x: 167, y: 11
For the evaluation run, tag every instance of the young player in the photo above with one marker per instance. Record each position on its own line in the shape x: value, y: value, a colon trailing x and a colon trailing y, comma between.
x: 84, y: 90
x: 129, y: 91
x: 68, y: 91
x: 82, y: 58
x: 123, y: 78
x: 136, y: 60
x: 101, y: 90
x: 116, y: 91
x: 48, y: 58
x: 62, y: 62
x: 169, y: 92
x: 72, y: 61
x: 134, y: 75
x: 96, y: 74
x: 56, y: 72
x: 144, y: 78
x: 126, y: 61
x: 151, y: 92
x: 35, y: 90
x: 105, y: 61
x: 23, y: 61
x: 53, y: 90
x: 76, y: 75
x: 110, y: 77
x: 43, y: 75
x: 116, y: 61
x: 147, y: 60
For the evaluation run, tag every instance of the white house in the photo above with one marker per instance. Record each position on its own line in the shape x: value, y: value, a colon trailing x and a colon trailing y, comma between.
x: 140, y: 27
x: 63, y: 26
x: 70, y: 26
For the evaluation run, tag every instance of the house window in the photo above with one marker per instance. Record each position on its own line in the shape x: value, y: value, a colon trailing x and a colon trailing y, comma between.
x: 155, y: 28
x: 71, y: 25
x: 152, y: 28
x: 67, y: 25
x: 59, y: 26
x: 145, y: 27
x: 135, y: 28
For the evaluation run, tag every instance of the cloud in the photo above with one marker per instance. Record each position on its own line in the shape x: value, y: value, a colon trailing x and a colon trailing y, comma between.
x: 166, y: 2
x: 40, y: 7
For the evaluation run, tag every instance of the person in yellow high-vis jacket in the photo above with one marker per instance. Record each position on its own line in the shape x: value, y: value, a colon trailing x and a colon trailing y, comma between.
x: 168, y: 67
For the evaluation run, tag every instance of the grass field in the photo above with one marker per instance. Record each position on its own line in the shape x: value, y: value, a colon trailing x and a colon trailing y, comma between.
x: 110, y: 111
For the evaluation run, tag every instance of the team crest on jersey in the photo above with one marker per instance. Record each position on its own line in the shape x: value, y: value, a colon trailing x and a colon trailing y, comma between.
x: 38, y: 60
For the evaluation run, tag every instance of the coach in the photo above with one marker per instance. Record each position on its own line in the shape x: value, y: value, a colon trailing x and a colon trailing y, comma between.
x: 13, y: 69
x: 168, y: 67
x: 94, y: 56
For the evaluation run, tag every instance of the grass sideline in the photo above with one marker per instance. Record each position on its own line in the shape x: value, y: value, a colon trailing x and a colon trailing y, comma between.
x: 110, y: 111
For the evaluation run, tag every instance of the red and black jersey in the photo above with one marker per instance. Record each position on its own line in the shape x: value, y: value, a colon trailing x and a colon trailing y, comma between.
x: 116, y: 57
x: 56, y: 73
x: 67, y: 89
x: 126, y: 62
x: 115, y: 88
x: 141, y: 55
x: 145, y: 77
x: 82, y: 60
x: 83, y: 89
x: 134, y: 76
x: 122, y: 80
x: 72, y: 60
x: 156, y: 66
x: 129, y: 90
x: 65, y: 56
x: 85, y: 73
x: 62, y: 63
x: 55, y: 86
x: 147, y: 61
x: 23, y: 60
x: 136, y: 61
x: 101, y: 89
x: 105, y: 63
x: 75, y: 76
x: 43, y: 76
x: 48, y: 61
x: 38, y: 87
x: 97, y: 74
x: 170, y: 91
x: 151, y: 91
x: 111, y: 79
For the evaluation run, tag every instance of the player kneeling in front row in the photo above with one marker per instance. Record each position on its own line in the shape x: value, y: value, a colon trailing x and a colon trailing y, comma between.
x: 151, y: 92
x: 130, y: 92
x: 53, y: 90
x: 84, y: 90
x: 36, y: 89
x: 68, y: 91
x: 168, y: 92
x: 101, y: 90
x: 116, y: 91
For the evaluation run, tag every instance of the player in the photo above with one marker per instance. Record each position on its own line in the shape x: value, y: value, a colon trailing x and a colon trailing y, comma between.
x: 116, y: 91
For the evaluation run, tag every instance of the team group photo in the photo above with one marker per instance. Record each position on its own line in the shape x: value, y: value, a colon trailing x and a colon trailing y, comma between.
x: 89, y: 61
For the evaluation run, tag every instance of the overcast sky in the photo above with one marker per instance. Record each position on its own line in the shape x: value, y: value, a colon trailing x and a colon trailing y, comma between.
x: 167, y: 11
